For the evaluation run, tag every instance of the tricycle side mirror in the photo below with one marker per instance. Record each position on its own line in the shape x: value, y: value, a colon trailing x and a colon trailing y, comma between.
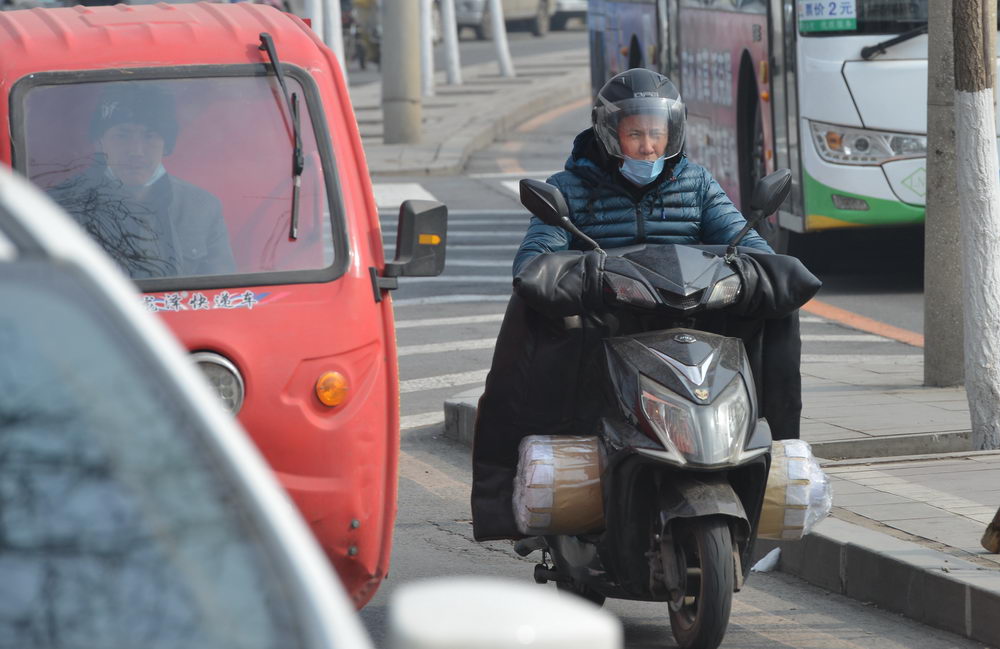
x: 549, y: 205
x: 421, y: 240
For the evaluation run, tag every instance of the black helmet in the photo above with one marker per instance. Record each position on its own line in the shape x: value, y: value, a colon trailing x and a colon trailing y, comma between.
x: 136, y: 102
x: 638, y: 91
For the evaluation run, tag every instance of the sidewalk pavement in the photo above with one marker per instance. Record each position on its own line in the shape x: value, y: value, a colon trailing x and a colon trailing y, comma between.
x: 910, y: 503
x: 459, y: 120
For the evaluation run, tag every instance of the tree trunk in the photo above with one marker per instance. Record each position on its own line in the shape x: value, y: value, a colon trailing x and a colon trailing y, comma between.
x: 979, y: 207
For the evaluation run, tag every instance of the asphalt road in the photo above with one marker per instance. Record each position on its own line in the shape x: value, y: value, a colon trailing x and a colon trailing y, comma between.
x: 446, y: 328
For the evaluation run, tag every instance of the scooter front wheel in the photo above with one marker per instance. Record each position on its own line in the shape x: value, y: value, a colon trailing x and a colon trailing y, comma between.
x: 705, y: 551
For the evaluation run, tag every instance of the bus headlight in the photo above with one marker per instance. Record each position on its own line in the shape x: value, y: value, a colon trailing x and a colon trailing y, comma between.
x: 856, y: 146
x: 224, y: 378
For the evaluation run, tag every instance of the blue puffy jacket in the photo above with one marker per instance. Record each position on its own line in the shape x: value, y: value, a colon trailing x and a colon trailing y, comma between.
x: 684, y: 205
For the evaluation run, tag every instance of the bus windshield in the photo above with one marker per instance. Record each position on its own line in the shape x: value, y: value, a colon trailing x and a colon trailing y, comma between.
x: 181, y: 177
x: 847, y: 17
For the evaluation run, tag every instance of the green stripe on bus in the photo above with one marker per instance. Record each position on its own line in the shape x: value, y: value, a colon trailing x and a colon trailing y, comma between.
x: 822, y: 214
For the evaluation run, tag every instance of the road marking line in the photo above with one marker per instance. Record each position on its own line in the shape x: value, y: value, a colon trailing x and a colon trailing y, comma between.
x: 430, y: 478
x: 448, y: 299
x: 517, y: 234
x: 553, y: 114
x: 480, y: 263
x: 452, y: 346
x: 845, y: 338
x: 512, y: 146
x: 442, y: 381
x: 391, y: 225
x: 392, y: 194
x: 868, y: 359
x: 483, y: 246
x: 527, y: 174
x: 510, y: 165
x: 448, y: 279
x: 444, y: 322
x: 421, y: 420
x: 784, y: 631
x: 389, y: 213
x: 863, y: 323
x: 811, y: 319
x: 512, y: 185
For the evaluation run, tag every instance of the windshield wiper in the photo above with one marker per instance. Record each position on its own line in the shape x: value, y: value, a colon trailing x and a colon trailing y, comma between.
x: 879, y: 48
x: 298, y: 162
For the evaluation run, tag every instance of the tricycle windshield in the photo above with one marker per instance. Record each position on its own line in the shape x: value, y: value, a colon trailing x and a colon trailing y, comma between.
x: 178, y: 178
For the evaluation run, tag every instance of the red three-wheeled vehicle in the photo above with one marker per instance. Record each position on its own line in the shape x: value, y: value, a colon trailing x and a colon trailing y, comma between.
x: 212, y: 151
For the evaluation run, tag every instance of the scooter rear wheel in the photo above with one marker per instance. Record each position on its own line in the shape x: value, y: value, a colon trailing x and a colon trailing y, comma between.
x: 705, y: 549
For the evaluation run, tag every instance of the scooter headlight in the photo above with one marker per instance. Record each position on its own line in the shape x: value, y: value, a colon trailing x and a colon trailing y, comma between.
x: 707, y: 434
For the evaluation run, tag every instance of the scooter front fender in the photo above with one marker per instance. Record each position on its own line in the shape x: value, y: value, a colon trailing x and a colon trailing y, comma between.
x: 690, y: 496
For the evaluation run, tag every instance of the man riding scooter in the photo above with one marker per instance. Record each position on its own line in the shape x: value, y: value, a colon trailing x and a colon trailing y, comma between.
x: 629, y: 181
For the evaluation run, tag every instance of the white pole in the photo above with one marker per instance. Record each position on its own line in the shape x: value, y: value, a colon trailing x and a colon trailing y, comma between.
x: 426, y: 49
x: 333, y: 31
x: 500, y: 38
x: 314, y: 12
x: 450, y: 27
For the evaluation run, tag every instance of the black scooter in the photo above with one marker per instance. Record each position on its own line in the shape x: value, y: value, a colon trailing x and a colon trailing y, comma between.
x: 676, y: 412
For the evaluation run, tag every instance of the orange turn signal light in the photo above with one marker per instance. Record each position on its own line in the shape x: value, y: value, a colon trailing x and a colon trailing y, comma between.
x: 833, y: 141
x: 429, y: 239
x: 331, y: 388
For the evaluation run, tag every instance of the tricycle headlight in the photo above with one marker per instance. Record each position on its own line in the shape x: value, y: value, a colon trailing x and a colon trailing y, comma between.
x: 725, y: 292
x: 707, y: 434
x: 857, y: 146
x: 224, y: 378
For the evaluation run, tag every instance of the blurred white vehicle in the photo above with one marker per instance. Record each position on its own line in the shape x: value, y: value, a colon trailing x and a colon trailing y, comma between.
x: 134, y: 512
x: 567, y: 9
x: 536, y: 14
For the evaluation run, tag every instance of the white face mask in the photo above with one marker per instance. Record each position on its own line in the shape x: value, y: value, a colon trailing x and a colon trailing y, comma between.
x: 642, y: 172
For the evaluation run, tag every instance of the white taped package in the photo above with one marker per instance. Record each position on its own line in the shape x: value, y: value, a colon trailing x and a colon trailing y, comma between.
x: 798, y: 492
x: 557, y: 489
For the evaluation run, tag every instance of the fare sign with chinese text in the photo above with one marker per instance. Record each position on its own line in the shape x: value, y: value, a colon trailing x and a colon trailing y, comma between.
x: 827, y: 16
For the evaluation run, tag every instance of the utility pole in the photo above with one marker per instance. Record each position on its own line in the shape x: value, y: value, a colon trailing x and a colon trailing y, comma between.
x: 450, y: 28
x: 401, y: 107
x: 427, y: 48
x: 499, y: 26
x: 974, y: 28
x: 943, y: 340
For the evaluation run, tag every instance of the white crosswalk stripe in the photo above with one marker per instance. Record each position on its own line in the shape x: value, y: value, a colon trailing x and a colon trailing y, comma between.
x: 391, y: 195
x: 452, y: 346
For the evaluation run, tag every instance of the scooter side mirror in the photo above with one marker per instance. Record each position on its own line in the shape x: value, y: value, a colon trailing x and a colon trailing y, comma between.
x: 768, y: 195
x: 770, y: 192
x: 544, y: 201
x: 549, y: 205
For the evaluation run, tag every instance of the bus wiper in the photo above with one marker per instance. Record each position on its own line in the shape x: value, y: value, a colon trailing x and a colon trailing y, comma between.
x: 867, y: 53
x: 298, y: 162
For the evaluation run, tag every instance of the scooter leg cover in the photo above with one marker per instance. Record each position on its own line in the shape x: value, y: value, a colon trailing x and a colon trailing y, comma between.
x: 782, y: 402
x: 538, y: 366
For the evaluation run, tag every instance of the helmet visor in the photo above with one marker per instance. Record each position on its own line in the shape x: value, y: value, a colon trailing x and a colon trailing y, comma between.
x: 658, y: 122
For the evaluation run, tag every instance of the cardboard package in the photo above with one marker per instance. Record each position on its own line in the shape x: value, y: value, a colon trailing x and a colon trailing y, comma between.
x: 798, y: 492
x: 557, y: 489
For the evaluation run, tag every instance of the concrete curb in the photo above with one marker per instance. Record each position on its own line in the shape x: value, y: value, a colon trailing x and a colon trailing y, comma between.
x: 923, y: 584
